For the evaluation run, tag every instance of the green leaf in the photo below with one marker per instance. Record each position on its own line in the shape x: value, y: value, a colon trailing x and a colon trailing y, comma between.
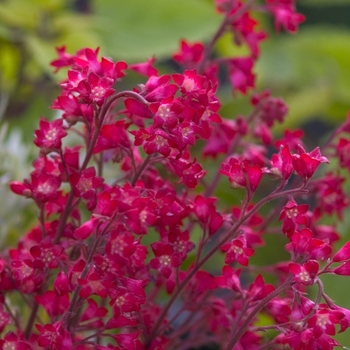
x: 134, y: 30
x: 320, y: 3
x: 9, y: 60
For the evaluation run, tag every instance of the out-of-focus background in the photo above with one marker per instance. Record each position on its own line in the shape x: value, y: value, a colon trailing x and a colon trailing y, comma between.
x: 310, y: 70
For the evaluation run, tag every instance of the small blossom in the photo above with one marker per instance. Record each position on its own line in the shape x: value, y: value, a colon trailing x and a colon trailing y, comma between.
x: 293, y: 214
x: 305, y: 164
x: 46, y: 254
x: 236, y: 250
x: 49, y: 136
x: 306, y: 273
x: 189, y: 54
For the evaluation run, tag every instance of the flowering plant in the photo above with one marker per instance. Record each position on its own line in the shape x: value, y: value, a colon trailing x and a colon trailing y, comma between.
x: 119, y: 262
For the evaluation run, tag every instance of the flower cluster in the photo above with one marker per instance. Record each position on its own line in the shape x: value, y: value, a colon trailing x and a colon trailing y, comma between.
x: 120, y: 263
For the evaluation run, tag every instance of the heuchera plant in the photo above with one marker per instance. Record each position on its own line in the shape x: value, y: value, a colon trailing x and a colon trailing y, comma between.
x: 87, y: 277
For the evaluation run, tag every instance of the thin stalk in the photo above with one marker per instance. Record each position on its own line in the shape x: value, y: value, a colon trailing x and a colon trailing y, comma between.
x: 31, y: 319
x: 141, y: 169
x: 221, y: 30
x: 286, y: 285
x: 228, y: 236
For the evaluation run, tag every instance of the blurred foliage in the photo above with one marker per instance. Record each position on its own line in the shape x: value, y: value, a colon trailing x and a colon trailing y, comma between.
x: 310, y: 71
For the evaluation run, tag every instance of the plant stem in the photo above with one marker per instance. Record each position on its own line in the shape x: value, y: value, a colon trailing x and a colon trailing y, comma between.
x: 221, y: 30
x: 229, y: 235
x: 31, y: 319
x: 140, y: 170
x: 256, y: 310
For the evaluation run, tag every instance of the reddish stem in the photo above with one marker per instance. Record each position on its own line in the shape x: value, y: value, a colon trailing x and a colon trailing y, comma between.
x: 228, y: 236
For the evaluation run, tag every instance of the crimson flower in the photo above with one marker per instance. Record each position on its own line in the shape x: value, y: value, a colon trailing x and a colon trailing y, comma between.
x: 324, y: 321
x: 281, y: 163
x: 165, y: 258
x: 95, y: 89
x: 188, y: 171
x: 112, y: 136
x: 306, y: 273
x: 46, y: 254
x: 259, y: 289
x: 49, y: 135
x: 241, y: 76
x: 189, y: 54
x: 237, y: 250
x: 343, y: 152
x: 285, y: 16
x: 54, y: 304
x: 93, y: 285
x: 292, y: 139
x: 343, y: 253
x: 305, y: 164
x: 5, y: 319
x: 145, y: 68
x: 85, y: 183
x: 239, y: 171
x: 128, y: 297
x: 54, y: 336
x: 293, y: 214
x: 14, y: 341
x: 303, y: 245
x: 206, y: 212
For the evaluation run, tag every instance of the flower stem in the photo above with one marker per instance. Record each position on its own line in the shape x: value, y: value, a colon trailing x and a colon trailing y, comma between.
x: 140, y: 170
x: 228, y: 19
x: 228, y: 236
x: 256, y: 310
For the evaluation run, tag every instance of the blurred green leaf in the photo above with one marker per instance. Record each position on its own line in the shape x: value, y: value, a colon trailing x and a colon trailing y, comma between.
x: 325, y: 2
x: 18, y: 13
x: 310, y: 71
x: 9, y: 61
x: 132, y: 31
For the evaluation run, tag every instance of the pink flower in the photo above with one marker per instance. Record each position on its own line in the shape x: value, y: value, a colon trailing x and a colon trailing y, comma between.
x: 306, y: 273
x: 305, y: 164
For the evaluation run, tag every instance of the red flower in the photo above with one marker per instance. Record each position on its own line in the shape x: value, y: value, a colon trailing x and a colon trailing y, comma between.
x: 282, y: 163
x: 188, y: 171
x: 22, y: 270
x: 5, y: 319
x: 55, y: 305
x: 241, y: 76
x: 303, y: 245
x: 85, y: 183
x: 292, y: 139
x: 237, y: 250
x: 165, y: 259
x: 189, y: 54
x: 293, y: 214
x: 145, y: 68
x: 46, y: 254
x: 128, y: 297
x: 93, y: 285
x: 14, y: 342
x: 343, y: 152
x: 112, y: 136
x: 343, y: 253
x: 95, y: 89
x: 54, y: 336
x: 206, y: 212
x: 306, y: 273
x: 49, y: 136
x: 285, y: 16
x: 324, y: 321
x: 305, y: 164
x: 44, y: 187
x: 259, y: 289
x: 239, y: 171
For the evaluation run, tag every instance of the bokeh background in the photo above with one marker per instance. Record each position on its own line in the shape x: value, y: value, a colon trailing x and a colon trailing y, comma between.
x: 310, y: 70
